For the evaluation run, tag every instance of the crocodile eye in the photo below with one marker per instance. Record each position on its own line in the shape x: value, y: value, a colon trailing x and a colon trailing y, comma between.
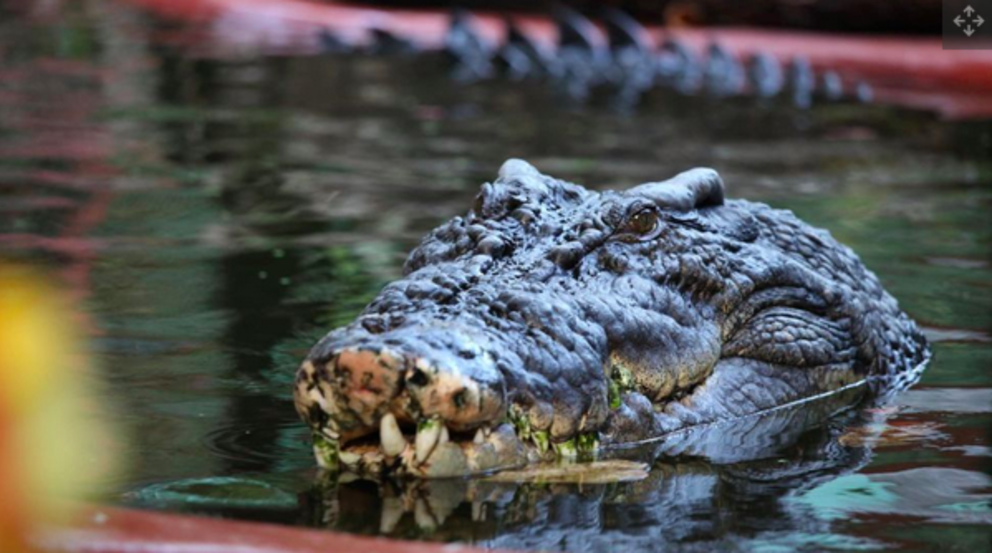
x: 643, y: 223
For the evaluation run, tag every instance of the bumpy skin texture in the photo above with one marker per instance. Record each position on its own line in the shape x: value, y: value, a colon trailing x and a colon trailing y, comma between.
x: 590, y: 319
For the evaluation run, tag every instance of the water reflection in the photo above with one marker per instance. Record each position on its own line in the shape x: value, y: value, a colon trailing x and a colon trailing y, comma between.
x: 749, y: 481
x: 218, y: 216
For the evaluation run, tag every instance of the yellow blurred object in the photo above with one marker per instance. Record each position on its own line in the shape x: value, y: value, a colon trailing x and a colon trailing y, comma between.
x: 32, y: 339
x: 54, y: 445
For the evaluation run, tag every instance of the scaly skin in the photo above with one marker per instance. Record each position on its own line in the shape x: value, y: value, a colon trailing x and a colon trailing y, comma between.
x: 555, y: 321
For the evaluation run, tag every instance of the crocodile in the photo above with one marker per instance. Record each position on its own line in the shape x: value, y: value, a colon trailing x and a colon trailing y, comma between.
x: 557, y: 322
x: 618, y: 55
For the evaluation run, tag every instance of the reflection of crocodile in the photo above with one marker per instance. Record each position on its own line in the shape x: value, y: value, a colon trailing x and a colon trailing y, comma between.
x: 556, y: 321
x: 620, y: 57
x: 723, y: 483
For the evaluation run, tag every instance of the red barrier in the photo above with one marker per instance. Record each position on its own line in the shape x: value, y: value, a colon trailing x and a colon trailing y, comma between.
x: 114, y: 530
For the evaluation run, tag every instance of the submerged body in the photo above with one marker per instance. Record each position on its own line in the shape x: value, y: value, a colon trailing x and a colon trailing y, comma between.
x: 554, y: 321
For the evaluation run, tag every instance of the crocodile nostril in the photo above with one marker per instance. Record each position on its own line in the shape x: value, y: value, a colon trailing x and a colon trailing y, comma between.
x: 460, y: 398
x: 418, y: 378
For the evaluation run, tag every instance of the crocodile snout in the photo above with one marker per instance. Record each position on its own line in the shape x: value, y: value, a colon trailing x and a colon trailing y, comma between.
x: 417, y: 400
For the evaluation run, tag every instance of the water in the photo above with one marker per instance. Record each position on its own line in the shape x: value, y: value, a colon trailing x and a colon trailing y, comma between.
x: 214, y: 217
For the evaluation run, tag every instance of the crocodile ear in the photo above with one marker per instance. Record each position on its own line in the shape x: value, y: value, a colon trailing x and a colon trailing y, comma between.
x: 692, y: 189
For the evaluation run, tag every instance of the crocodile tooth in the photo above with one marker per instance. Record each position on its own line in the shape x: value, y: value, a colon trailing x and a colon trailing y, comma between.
x: 480, y: 437
x: 428, y: 435
x: 423, y: 517
x: 390, y: 437
x: 350, y: 459
x: 392, y: 512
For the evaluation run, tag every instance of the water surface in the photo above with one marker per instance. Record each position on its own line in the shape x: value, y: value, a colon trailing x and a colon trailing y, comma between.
x: 214, y: 217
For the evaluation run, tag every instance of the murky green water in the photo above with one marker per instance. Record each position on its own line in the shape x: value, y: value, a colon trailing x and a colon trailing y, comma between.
x: 216, y: 217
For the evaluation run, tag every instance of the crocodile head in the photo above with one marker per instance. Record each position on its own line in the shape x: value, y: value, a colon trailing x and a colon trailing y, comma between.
x: 554, y: 321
